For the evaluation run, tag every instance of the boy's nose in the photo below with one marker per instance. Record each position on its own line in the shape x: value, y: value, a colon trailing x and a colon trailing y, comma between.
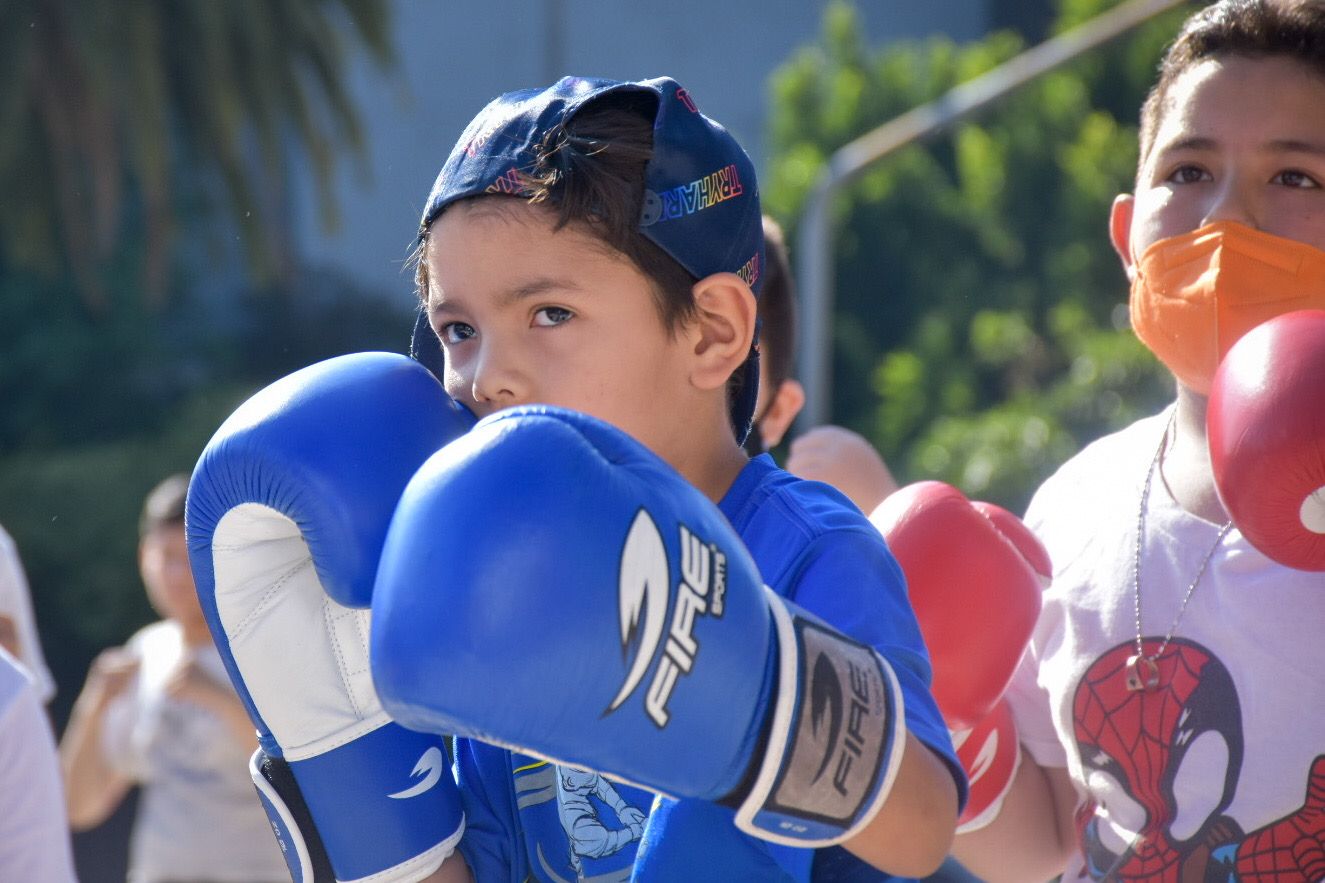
x: 1235, y: 200
x: 497, y: 382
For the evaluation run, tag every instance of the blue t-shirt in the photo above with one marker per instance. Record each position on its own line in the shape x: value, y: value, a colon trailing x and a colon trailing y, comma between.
x: 529, y: 819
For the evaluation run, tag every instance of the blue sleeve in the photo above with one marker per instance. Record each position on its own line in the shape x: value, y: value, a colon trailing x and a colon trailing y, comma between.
x: 698, y: 841
x: 836, y: 865
x: 850, y: 580
x: 483, y: 773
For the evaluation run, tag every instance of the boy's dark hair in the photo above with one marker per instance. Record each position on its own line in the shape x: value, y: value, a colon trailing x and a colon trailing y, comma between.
x: 591, y: 173
x: 164, y: 506
x: 777, y: 308
x: 1249, y: 28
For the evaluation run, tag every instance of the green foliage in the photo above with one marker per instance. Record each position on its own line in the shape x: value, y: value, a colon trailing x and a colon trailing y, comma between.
x: 137, y: 142
x: 73, y: 513
x: 977, y: 333
x: 96, y: 413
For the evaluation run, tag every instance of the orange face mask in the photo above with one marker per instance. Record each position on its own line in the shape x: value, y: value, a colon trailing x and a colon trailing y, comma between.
x: 1195, y: 295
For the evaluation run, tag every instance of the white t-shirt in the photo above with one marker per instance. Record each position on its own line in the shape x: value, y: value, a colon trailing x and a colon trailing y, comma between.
x: 34, y: 831
x: 199, y: 817
x: 1212, y: 770
x: 16, y: 603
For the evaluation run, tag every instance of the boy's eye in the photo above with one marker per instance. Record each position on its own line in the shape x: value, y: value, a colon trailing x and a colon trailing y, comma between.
x: 456, y: 332
x: 548, y: 316
x: 1297, y: 180
x: 1188, y: 174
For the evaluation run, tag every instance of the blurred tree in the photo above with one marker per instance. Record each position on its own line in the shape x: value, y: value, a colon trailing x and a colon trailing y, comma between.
x: 144, y: 145
x: 70, y: 493
x: 103, y: 103
x: 979, y: 303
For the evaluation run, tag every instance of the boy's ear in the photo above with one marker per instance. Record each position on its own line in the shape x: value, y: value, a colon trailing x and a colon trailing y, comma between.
x: 1120, y: 231
x: 722, y: 329
x: 787, y: 403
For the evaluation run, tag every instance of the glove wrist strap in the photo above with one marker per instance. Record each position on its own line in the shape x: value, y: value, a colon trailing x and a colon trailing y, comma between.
x: 835, y: 741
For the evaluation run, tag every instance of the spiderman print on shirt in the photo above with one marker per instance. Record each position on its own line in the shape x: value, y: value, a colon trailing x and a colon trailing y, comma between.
x: 1150, y: 758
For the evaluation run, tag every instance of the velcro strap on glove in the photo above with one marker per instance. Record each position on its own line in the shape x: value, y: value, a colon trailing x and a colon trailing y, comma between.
x: 835, y: 741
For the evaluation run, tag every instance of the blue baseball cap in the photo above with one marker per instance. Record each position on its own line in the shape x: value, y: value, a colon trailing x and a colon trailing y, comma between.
x: 701, y: 199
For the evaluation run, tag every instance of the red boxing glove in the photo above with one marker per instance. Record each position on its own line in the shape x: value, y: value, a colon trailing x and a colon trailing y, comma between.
x: 1026, y: 542
x: 990, y: 755
x: 1266, y: 428
x: 974, y: 573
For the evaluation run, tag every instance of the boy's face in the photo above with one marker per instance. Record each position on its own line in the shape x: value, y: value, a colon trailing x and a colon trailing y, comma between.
x: 527, y: 314
x: 1241, y: 140
x: 163, y: 559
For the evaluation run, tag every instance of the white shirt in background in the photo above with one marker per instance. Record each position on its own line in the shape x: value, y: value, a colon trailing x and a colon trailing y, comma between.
x: 34, y: 830
x: 199, y: 817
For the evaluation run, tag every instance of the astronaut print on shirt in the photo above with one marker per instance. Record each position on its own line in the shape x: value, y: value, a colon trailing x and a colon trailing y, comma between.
x: 601, y: 824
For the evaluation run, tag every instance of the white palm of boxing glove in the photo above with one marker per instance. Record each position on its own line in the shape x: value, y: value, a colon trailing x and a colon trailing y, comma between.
x: 287, y: 511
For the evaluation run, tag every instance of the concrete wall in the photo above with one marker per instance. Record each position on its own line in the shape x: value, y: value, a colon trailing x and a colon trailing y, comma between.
x: 454, y: 57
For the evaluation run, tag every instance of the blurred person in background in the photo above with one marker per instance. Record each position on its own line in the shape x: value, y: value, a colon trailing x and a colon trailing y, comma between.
x: 831, y: 454
x: 159, y: 712
x: 781, y: 396
x: 834, y: 455
x: 845, y: 459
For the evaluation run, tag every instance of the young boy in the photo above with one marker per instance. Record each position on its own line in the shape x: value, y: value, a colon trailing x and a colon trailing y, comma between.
x: 1169, y: 706
x: 161, y: 713
x: 781, y: 396
x: 596, y: 246
x: 780, y: 400
x: 831, y: 454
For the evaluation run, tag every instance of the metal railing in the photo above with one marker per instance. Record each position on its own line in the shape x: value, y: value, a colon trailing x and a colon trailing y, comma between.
x: 814, y: 254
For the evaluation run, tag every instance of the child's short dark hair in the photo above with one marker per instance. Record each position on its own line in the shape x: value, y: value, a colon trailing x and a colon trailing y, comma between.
x: 164, y: 506
x: 777, y: 309
x: 1249, y: 28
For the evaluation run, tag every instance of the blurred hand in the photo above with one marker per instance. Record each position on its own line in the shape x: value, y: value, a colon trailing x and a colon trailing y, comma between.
x: 110, y: 675
x: 9, y: 636
x: 845, y: 460
x: 190, y: 683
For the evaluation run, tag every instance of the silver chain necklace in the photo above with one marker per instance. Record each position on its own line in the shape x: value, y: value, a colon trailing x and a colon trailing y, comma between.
x: 1142, y: 670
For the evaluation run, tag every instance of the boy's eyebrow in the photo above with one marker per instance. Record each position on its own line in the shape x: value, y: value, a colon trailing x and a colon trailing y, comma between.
x: 1293, y: 145
x: 533, y: 288
x: 1279, y: 145
x: 1191, y: 142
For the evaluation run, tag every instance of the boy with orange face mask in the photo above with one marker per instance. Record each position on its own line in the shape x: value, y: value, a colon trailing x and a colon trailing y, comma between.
x: 1169, y: 708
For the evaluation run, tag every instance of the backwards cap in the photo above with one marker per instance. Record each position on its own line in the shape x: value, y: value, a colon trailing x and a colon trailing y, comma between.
x: 701, y: 200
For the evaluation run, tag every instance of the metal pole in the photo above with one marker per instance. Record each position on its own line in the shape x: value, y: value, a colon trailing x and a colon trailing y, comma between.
x: 554, y: 40
x: 814, y: 256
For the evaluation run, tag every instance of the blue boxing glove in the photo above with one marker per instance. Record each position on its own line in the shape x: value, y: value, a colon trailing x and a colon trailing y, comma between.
x: 549, y: 584
x: 287, y: 511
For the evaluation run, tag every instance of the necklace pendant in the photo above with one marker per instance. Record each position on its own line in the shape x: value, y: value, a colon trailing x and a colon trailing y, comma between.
x: 1142, y: 673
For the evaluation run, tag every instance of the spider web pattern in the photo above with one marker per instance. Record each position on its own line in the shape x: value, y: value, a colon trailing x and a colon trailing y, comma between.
x: 1137, y: 733
x: 1291, y: 849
